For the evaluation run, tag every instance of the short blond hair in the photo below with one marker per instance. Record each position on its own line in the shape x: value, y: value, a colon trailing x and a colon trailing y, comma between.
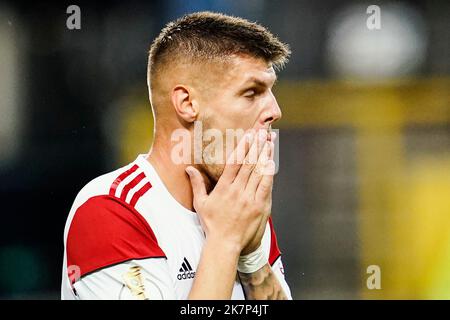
x: 206, y: 36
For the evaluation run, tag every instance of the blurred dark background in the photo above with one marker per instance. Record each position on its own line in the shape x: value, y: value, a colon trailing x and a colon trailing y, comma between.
x: 64, y: 93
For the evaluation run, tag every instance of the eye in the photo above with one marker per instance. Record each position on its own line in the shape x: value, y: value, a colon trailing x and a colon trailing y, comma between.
x: 250, y: 93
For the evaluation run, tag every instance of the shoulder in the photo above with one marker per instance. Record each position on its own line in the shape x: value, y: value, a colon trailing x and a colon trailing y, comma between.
x: 127, y: 183
x: 118, y: 183
x: 104, y: 228
x: 106, y: 231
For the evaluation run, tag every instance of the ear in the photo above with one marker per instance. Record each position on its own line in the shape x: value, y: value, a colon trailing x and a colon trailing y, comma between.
x: 183, y: 104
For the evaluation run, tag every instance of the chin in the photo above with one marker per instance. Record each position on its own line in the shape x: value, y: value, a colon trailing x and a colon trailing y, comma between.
x: 213, y: 171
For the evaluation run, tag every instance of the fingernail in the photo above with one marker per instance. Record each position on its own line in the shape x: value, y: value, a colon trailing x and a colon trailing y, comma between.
x: 189, y: 171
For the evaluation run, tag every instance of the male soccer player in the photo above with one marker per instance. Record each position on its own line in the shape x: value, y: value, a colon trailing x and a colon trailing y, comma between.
x: 160, y: 229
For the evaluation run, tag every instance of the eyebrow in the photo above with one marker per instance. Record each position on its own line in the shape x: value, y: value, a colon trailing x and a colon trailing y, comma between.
x: 258, y: 81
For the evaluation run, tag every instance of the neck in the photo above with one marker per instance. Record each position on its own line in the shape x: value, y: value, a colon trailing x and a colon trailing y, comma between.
x: 172, y: 175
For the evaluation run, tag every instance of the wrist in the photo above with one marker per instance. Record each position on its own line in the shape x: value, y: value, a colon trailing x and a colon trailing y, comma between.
x: 253, y: 261
x: 224, y: 246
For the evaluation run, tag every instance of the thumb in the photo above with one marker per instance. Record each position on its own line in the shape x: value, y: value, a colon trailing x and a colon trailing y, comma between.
x: 198, y: 185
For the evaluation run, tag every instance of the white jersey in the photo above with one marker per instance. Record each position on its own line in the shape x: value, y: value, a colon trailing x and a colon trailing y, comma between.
x: 126, y: 237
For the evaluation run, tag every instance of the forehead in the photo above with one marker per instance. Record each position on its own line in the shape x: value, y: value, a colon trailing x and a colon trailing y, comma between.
x: 242, y: 70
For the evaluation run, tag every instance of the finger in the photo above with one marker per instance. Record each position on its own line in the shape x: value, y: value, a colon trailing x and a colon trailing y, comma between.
x: 198, y: 186
x: 257, y: 174
x: 269, y: 170
x: 264, y: 188
x: 273, y: 136
x: 235, y: 159
x: 251, y: 159
x: 271, y: 139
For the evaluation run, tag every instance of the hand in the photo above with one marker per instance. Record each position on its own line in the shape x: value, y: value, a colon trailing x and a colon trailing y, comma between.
x: 262, y: 181
x: 238, y: 207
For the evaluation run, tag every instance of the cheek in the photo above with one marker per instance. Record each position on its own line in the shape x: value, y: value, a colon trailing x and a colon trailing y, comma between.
x: 250, y: 113
x: 243, y: 113
x: 225, y: 117
x: 229, y: 112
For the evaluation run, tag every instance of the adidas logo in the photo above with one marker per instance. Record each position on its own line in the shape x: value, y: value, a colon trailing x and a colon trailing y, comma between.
x: 186, y: 271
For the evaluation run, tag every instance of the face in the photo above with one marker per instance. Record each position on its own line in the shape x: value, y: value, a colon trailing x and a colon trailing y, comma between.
x: 238, y: 97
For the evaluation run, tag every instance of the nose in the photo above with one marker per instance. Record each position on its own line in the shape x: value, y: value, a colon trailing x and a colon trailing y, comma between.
x: 273, y: 112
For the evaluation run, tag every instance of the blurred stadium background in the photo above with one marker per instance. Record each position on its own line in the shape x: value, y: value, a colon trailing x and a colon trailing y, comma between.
x: 364, y: 143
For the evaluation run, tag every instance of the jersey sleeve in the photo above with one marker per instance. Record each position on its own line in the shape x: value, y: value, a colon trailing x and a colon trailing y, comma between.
x: 112, y: 246
x: 146, y: 279
x: 270, y: 245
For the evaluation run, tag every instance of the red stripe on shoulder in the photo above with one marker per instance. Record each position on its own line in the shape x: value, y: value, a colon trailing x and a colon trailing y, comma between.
x: 106, y: 231
x: 274, y: 249
x: 133, y: 183
x: 119, y: 179
x: 138, y: 194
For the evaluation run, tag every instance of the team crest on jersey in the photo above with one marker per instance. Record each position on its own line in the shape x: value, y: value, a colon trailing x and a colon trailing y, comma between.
x: 186, y: 271
x: 133, y: 280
